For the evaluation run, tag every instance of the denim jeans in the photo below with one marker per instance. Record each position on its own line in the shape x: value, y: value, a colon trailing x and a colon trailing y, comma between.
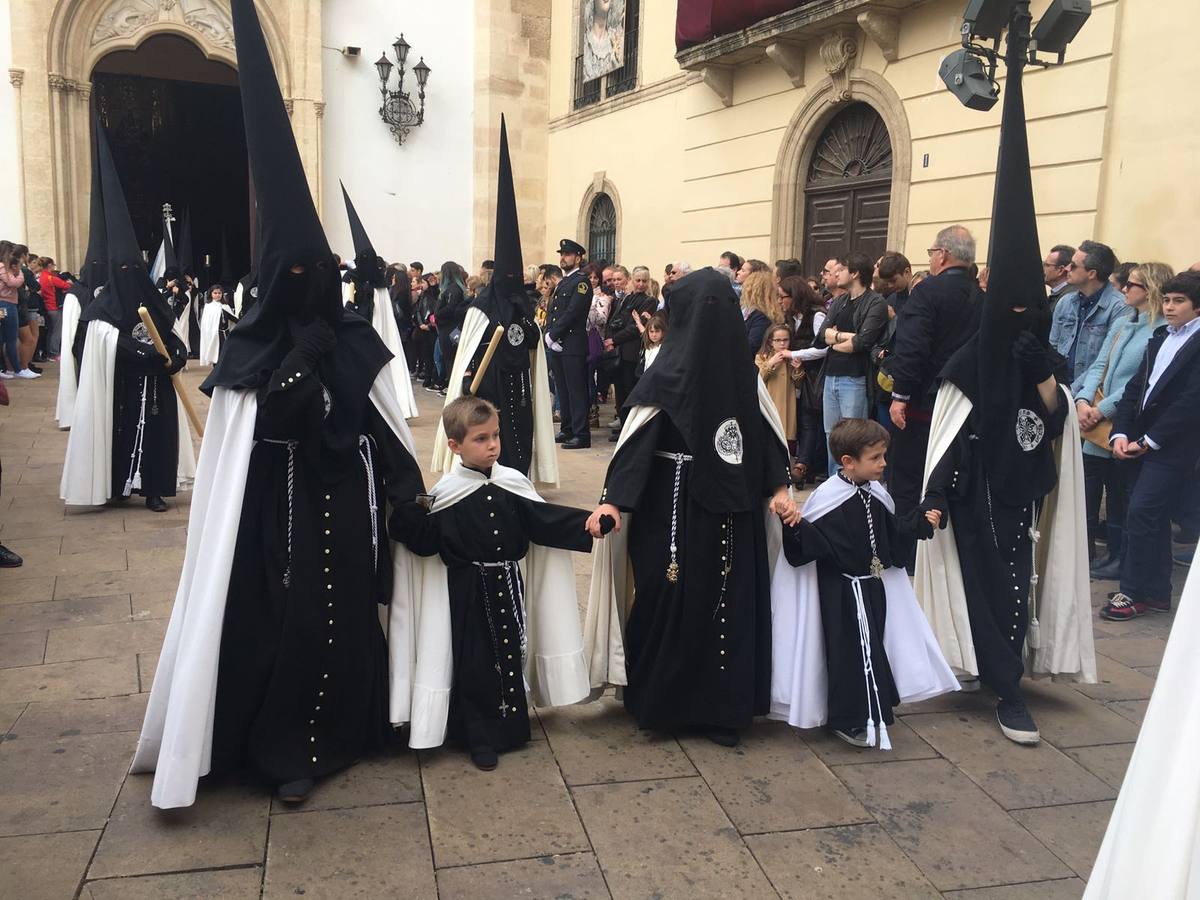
x: 53, y: 332
x: 845, y: 397
x: 10, y: 325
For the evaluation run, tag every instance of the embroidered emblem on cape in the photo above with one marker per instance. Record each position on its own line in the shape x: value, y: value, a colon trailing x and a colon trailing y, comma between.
x: 1030, y: 430
x: 516, y: 334
x: 141, y: 333
x: 254, y: 292
x: 728, y: 442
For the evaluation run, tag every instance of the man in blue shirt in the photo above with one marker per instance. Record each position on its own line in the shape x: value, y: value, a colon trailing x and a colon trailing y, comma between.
x: 1082, y: 318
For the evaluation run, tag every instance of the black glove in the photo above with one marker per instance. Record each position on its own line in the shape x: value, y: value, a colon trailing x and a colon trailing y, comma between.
x: 1034, y: 357
x: 607, y: 524
x: 311, y: 341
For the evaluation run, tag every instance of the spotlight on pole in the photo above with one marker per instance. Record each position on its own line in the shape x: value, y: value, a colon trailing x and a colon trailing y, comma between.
x: 969, y: 81
x: 1060, y: 24
x: 985, y: 19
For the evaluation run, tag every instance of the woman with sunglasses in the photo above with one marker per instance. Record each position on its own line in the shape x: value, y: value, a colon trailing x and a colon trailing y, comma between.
x: 1101, y: 391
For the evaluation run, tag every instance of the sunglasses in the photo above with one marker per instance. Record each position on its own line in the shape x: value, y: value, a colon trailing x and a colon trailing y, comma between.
x: 1129, y: 284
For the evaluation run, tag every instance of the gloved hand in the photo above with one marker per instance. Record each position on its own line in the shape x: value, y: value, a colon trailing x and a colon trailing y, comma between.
x: 311, y: 341
x: 1033, y: 356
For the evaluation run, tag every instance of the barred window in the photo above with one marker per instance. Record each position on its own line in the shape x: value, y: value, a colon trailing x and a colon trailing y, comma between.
x: 602, y: 229
x: 618, y: 80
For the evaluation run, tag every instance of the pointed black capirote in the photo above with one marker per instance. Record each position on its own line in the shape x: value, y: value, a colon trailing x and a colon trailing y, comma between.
x: 510, y: 269
x: 171, y: 258
x: 226, y: 262
x: 128, y: 284
x: 94, y: 271
x: 366, y: 260
x: 183, y: 251
x: 297, y: 277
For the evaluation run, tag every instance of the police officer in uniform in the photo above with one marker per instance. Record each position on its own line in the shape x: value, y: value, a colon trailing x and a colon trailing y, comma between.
x: 566, y: 336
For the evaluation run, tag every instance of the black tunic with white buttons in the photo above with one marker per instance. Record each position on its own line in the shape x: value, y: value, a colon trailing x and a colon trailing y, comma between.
x: 507, y: 384
x: 475, y: 538
x: 303, y: 674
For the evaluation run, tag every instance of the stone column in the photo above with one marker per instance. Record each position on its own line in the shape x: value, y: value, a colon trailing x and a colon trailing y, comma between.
x: 319, y: 111
x: 17, y: 77
x: 61, y: 175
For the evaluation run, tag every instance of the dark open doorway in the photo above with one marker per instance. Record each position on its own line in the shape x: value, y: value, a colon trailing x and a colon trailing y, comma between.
x: 174, y: 118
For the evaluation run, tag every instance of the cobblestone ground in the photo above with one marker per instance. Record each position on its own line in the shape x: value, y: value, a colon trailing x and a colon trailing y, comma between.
x: 590, y: 808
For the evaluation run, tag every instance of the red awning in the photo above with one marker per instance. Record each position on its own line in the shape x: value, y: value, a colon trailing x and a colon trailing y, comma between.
x: 698, y: 21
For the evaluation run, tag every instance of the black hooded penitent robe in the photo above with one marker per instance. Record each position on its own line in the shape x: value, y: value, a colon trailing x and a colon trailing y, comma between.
x: 487, y: 699
x: 698, y: 649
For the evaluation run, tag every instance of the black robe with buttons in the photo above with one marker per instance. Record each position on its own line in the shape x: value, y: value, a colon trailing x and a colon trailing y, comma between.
x: 698, y: 650
x: 302, y: 681
x: 508, y: 386
x: 487, y: 697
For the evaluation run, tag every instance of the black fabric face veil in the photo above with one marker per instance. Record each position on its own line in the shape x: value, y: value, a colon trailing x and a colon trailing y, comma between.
x: 297, y: 276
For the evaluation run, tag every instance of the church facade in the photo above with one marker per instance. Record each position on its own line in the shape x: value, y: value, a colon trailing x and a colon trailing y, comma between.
x: 818, y: 128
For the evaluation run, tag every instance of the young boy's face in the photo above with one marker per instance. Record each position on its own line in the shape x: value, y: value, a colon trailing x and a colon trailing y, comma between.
x: 480, y: 448
x: 868, y: 466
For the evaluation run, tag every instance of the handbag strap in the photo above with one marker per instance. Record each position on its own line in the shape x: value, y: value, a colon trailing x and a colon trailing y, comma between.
x: 1108, y: 362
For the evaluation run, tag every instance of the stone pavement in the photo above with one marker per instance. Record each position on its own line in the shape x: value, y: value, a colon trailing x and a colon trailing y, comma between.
x: 591, y: 808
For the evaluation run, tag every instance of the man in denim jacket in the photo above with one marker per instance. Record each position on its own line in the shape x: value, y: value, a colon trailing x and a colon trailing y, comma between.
x: 1082, y: 318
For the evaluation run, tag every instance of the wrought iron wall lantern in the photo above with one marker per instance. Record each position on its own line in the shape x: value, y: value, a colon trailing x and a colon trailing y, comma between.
x: 397, y: 109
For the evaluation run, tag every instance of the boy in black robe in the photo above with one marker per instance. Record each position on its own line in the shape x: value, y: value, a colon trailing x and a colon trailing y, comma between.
x: 854, y: 545
x: 481, y: 537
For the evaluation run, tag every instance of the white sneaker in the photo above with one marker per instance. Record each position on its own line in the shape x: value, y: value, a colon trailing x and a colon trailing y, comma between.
x: 7, y: 374
x: 27, y: 373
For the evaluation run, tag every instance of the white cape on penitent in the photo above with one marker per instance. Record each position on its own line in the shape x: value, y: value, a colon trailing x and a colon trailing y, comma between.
x: 1059, y: 641
x: 799, y: 678
x: 176, y: 738
x: 422, y: 656
x: 543, y: 467
x: 611, y: 596
x: 210, y: 331
x: 87, y: 469
x: 64, y: 410
x: 1152, y: 845
x: 384, y: 323
x: 181, y: 329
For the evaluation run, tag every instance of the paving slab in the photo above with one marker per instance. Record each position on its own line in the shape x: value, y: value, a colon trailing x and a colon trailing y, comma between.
x: 1133, y: 710
x: 1117, y: 682
x: 379, y: 851
x: 520, y: 810
x: 906, y: 744
x: 856, y: 862
x: 174, y: 536
x: 957, y: 835
x: 152, y: 604
x: 116, y: 639
x: 1107, y: 762
x: 65, y: 784
x: 147, y: 665
x: 946, y: 703
x: 45, y: 866
x: 226, y: 827
x: 1133, y: 651
x: 107, y: 583
x: 22, y: 648
x: 63, y: 613
x: 772, y: 781
x: 9, y: 713
x: 1060, y: 889
x: 86, y: 562
x: 67, y: 718
x: 600, y: 742
x: 70, y: 680
x: 575, y: 875
x: 1014, y: 776
x: 1073, y: 832
x: 1067, y: 718
x: 391, y: 777
x: 26, y: 589
x: 667, y: 839
x: 225, y: 884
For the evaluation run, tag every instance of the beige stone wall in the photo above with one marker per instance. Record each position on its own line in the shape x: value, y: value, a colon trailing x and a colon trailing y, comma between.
x: 696, y: 177
x: 512, y: 76
x: 57, y: 45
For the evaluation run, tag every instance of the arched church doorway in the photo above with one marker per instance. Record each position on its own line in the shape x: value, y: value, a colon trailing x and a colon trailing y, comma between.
x: 174, y: 119
x: 847, y: 194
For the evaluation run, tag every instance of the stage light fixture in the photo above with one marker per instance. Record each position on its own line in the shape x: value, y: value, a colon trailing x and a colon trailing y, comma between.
x: 968, y: 80
x: 1060, y: 24
x: 985, y: 19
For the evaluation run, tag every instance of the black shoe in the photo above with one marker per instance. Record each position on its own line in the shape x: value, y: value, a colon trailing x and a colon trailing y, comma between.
x: 577, y: 444
x: 36, y: 370
x: 562, y: 437
x: 8, y: 559
x: 1016, y: 722
x: 295, y: 791
x: 485, y: 758
x: 156, y: 504
x: 1108, y: 569
x: 723, y: 737
x: 119, y: 500
x: 855, y: 737
x: 613, y: 438
x: 1185, y: 536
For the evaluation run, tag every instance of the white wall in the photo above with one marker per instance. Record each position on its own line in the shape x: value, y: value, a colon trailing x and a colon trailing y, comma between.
x: 12, y: 225
x: 415, y: 200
